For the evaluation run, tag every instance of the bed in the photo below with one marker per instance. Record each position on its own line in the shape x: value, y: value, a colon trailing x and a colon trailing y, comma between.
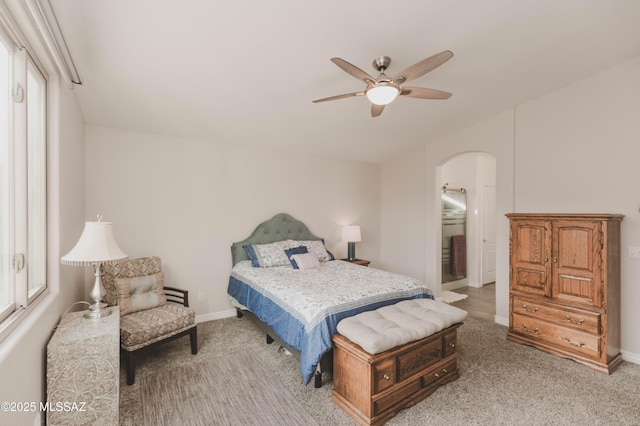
x: 300, y: 308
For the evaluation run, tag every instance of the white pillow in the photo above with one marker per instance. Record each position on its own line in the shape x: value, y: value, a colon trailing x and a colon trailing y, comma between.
x: 306, y: 261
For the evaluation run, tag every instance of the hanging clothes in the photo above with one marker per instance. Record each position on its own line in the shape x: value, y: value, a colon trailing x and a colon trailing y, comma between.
x: 458, y: 253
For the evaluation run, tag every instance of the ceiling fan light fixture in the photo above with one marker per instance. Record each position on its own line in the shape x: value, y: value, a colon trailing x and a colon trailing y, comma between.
x: 382, y: 93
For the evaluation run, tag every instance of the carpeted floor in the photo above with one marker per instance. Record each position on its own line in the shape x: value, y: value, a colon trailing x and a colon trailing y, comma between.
x: 232, y: 389
x: 501, y: 383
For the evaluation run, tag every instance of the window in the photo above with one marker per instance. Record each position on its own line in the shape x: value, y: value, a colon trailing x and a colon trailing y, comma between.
x: 23, y: 180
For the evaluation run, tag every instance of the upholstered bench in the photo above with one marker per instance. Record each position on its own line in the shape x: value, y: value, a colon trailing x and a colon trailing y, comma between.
x: 391, y: 358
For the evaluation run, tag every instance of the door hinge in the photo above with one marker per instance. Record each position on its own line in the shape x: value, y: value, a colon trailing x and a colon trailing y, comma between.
x: 601, y: 239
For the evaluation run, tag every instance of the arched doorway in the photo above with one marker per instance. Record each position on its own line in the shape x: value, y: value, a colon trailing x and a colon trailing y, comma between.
x: 474, y: 175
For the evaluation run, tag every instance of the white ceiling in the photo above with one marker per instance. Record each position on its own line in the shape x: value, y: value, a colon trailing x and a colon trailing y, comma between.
x: 245, y: 72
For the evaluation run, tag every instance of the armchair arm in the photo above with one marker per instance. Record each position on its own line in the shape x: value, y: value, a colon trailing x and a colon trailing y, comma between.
x: 177, y: 295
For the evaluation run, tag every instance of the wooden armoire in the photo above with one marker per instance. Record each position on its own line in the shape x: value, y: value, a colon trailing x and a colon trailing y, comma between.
x: 564, y: 286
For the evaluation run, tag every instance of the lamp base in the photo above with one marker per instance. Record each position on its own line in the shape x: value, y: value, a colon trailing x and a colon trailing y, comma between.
x: 97, y: 310
x: 351, y: 250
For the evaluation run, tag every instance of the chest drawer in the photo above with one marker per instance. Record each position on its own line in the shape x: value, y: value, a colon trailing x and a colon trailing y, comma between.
x: 419, y: 358
x: 384, y: 375
x: 450, y: 343
x: 561, y: 337
x: 387, y: 400
x: 585, y: 321
x: 449, y: 367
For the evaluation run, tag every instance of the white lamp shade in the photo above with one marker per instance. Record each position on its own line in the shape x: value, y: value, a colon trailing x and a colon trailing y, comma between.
x: 96, y: 244
x: 351, y: 233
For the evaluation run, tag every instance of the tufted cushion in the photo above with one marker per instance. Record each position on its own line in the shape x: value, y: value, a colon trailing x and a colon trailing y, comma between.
x: 140, y: 293
x: 126, y: 268
x: 395, y: 325
x: 142, y: 328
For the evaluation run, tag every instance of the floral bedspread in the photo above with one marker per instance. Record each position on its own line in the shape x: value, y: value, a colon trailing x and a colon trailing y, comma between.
x: 304, y: 306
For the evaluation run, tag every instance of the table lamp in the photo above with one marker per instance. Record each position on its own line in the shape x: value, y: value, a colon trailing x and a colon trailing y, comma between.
x: 351, y: 234
x: 97, y: 245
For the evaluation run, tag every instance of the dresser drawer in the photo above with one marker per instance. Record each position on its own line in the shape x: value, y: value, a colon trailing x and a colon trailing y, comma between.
x: 562, y: 337
x: 585, y: 321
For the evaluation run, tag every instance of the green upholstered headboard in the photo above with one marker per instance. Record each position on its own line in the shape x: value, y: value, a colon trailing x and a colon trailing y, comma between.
x: 278, y: 228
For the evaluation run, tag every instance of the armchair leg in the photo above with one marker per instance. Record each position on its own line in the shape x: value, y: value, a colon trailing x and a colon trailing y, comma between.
x: 193, y: 338
x: 130, y: 361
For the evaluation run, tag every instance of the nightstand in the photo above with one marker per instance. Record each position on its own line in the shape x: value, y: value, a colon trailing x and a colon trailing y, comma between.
x: 357, y: 261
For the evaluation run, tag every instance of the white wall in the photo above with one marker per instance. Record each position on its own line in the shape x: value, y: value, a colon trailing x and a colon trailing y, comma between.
x: 577, y: 150
x: 573, y: 150
x: 402, y: 212
x: 187, y: 200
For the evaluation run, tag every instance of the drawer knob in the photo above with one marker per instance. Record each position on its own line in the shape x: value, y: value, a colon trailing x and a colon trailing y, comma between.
x: 386, y: 377
x: 578, y: 344
x: 452, y: 345
x: 526, y: 308
x: 579, y: 322
x: 533, y: 330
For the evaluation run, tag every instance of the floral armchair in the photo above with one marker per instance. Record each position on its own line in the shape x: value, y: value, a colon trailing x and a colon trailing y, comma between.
x: 150, y: 313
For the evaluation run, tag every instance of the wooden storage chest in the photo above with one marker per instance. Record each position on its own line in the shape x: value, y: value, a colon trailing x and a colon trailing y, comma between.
x: 373, y: 388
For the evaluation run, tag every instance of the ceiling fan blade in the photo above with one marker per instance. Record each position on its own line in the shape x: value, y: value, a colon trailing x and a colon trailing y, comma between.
x: 422, y: 67
x: 376, y: 110
x: 354, y: 71
x: 424, y: 93
x: 333, y: 98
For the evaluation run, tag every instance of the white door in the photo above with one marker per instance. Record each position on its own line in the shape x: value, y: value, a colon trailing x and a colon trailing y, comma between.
x: 488, y: 230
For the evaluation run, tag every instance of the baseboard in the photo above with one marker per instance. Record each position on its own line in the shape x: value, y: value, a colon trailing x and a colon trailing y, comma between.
x: 631, y: 357
x: 216, y: 316
x: 501, y: 320
x: 454, y: 285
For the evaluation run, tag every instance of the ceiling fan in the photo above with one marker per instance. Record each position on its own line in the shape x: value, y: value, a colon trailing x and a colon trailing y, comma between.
x: 383, y: 90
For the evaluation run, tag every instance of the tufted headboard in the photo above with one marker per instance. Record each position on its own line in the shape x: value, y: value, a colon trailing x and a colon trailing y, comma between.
x: 278, y: 228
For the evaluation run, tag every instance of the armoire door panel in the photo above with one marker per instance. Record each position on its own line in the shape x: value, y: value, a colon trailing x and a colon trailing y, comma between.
x: 531, y: 266
x: 531, y: 280
x: 576, y: 262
